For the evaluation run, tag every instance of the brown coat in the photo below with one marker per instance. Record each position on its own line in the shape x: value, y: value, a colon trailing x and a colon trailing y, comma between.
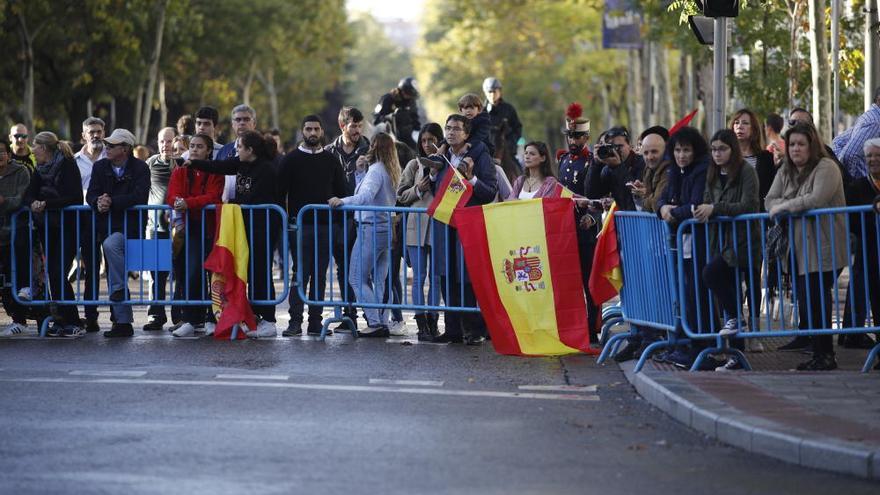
x: 823, y: 188
x: 655, y: 183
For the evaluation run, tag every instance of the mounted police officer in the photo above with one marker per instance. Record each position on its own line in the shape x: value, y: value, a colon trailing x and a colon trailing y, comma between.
x: 399, y: 110
x: 503, y: 116
x: 577, y: 172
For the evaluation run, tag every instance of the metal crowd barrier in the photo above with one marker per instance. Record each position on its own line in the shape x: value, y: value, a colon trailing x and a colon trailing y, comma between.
x: 648, y: 298
x: 142, y: 254
x: 312, y: 221
x: 763, y: 278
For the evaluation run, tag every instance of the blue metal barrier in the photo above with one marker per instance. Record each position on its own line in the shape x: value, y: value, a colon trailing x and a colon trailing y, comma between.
x: 759, y: 276
x: 648, y: 298
x: 152, y: 252
x: 315, y: 221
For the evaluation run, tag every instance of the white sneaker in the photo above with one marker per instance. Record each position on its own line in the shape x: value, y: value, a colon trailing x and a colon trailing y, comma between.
x: 398, y: 328
x: 754, y: 345
x: 185, y: 330
x: 209, y: 328
x: 731, y: 365
x: 731, y: 328
x: 265, y: 329
x: 25, y: 294
x: 14, y: 329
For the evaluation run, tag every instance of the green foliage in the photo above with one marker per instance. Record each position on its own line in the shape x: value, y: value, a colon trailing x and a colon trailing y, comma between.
x: 546, y: 54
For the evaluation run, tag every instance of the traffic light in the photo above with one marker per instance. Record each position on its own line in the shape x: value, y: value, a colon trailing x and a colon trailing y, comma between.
x: 719, y: 8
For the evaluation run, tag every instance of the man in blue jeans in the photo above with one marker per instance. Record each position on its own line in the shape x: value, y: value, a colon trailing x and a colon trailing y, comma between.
x: 119, y: 182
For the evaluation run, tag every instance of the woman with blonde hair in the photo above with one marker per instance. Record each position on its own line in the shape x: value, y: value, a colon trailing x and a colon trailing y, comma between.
x: 56, y: 183
x: 375, y: 185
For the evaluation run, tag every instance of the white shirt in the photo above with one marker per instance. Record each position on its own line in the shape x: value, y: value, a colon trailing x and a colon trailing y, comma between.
x: 85, y: 164
x: 523, y: 194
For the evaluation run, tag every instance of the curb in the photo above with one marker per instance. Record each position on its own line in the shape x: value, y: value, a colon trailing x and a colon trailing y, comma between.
x: 718, y: 420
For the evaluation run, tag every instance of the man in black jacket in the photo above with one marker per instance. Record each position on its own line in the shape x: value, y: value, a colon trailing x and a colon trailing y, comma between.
x: 622, y: 167
x: 399, y: 108
x: 311, y: 175
x: 118, y: 183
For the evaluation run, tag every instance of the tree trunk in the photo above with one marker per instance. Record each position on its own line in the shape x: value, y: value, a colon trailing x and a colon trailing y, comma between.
x: 665, y: 105
x: 635, y: 103
x: 267, y: 79
x: 163, y: 105
x: 112, y: 114
x: 705, y: 95
x: 871, y: 52
x: 795, y: 9
x: 147, y: 108
x: 27, y: 46
x: 138, y: 110
x: 820, y: 69
x: 249, y: 82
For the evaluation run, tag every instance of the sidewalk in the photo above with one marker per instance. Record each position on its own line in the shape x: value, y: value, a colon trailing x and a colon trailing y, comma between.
x: 827, y: 420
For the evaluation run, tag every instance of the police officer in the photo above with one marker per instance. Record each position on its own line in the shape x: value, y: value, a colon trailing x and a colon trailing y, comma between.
x: 575, y: 174
x: 398, y: 108
x: 502, y: 115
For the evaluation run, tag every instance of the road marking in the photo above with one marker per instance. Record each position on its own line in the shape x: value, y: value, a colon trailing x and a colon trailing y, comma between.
x: 317, y: 386
x: 560, y: 388
x: 416, y: 383
x: 253, y: 377
x: 132, y: 374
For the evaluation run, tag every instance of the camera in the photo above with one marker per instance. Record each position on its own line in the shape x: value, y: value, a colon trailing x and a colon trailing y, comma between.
x: 606, y: 151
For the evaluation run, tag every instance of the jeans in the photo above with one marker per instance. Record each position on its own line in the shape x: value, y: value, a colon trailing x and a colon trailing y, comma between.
x: 190, y: 277
x: 418, y: 257
x: 59, y: 259
x: 815, y: 307
x: 369, y: 268
x: 344, y: 236
x: 315, y: 248
x: 15, y: 310
x: 117, y: 275
x: 90, y: 260
x: 159, y: 281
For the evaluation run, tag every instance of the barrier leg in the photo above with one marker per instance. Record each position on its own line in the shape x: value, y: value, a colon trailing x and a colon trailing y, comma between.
x: 611, y: 311
x: 736, y: 353
x: 611, y: 346
x: 872, y: 356
x: 234, y: 334
x: 44, y: 325
x: 606, y: 328
x: 338, y: 316
x: 650, y: 350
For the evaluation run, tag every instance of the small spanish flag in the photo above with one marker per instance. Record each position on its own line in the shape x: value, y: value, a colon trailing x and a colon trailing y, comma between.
x: 606, y: 277
x: 561, y: 191
x: 522, y: 258
x: 228, y: 263
x: 453, y: 192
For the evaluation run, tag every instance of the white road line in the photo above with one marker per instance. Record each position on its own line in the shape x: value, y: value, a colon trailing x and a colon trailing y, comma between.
x: 317, y: 386
x: 253, y: 377
x: 560, y: 388
x: 132, y: 374
x: 415, y: 383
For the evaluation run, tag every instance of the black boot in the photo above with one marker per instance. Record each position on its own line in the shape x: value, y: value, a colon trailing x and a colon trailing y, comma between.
x: 422, y: 324
x: 432, y: 324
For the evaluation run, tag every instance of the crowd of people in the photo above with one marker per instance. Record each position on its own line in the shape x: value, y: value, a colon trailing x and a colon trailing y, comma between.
x: 779, y: 167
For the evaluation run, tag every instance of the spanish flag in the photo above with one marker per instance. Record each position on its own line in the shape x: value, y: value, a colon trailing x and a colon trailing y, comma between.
x: 606, y: 278
x: 453, y: 192
x: 228, y: 263
x: 561, y: 191
x: 522, y: 258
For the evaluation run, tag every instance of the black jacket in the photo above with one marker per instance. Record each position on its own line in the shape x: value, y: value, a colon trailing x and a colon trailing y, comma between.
x: 348, y: 161
x: 504, y: 115
x: 862, y: 191
x: 256, y: 183
x: 766, y: 170
x: 614, y: 180
x: 311, y: 179
x: 59, y: 185
x: 403, y: 114
x: 132, y: 188
x: 481, y: 127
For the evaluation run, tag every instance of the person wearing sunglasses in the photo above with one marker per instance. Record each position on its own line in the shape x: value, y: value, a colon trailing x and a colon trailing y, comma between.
x: 21, y: 151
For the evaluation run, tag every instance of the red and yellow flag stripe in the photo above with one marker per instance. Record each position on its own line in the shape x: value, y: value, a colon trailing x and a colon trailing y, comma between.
x: 453, y: 192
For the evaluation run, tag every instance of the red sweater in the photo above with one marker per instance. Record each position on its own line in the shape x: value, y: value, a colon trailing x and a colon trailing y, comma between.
x: 198, y: 189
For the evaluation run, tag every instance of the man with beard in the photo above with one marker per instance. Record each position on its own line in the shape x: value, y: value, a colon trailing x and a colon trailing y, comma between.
x: 91, y: 152
x: 348, y: 148
x: 573, y: 174
x: 311, y: 175
x: 244, y: 118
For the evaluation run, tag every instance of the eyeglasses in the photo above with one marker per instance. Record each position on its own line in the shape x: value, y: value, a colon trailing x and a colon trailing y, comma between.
x: 20, y: 136
x: 454, y: 129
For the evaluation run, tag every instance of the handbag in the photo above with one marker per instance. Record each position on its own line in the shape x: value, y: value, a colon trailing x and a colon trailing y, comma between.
x: 777, y: 241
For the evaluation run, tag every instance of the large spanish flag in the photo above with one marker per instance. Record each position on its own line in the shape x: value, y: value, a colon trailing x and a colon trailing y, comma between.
x: 228, y: 263
x: 522, y: 258
x: 606, y: 278
x: 453, y: 192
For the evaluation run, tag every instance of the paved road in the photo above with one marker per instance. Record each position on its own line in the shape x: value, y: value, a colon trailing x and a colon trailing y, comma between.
x: 154, y: 415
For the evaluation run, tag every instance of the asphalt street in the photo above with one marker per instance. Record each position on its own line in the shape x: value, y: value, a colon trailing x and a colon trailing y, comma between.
x: 155, y: 414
